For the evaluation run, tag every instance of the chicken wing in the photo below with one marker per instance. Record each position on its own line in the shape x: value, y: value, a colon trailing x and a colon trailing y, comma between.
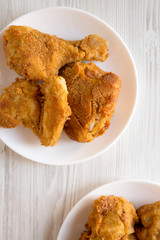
x: 19, y: 104
x: 38, y: 56
x: 149, y: 227
x: 93, y: 95
x: 112, y: 218
x: 55, y: 110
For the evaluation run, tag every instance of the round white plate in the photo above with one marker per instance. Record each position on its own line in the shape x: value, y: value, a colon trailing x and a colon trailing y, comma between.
x: 73, y: 24
x: 138, y: 192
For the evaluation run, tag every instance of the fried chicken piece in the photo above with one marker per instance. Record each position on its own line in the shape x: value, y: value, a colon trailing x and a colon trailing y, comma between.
x: 55, y: 110
x: 39, y: 56
x: 43, y: 108
x: 149, y: 227
x: 93, y: 95
x: 112, y: 218
x: 19, y: 104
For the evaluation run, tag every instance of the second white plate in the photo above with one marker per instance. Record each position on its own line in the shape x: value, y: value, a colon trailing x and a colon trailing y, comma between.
x: 138, y: 192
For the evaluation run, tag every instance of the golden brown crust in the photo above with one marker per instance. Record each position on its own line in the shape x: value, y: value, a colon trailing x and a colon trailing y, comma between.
x: 55, y: 110
x: 86, y: 236
x: 19, y: 104
x: 38, y: 56
x: 149, y: 227
x: 95, y: 48
x: 112, y: 218
x: 43, y: 108
x: 132, y: 237
x: 93, y: 95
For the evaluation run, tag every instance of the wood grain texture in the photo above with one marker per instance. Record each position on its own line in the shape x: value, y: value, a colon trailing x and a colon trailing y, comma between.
x: 34, y: 198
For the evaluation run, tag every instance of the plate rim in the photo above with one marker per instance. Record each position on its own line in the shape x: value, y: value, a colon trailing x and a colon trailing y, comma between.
x: 110, y: 183
x: 136, y: 86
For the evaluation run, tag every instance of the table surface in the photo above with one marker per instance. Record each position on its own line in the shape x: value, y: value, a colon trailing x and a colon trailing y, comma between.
x: 35, y: 198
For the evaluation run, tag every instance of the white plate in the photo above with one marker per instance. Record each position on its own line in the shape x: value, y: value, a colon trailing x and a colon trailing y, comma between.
x: 138, y: 192
x: 73, y: 24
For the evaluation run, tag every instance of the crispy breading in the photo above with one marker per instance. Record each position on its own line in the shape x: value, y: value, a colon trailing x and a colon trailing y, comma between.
x: 149, y: 227
x: 86, y: 236
x: 132, y: 237
x: 93, y: 95
x: 19, y: 104
x: 55, y: 110
x: 38, y: 56
x: 41, y: 107
x: 111, y: 218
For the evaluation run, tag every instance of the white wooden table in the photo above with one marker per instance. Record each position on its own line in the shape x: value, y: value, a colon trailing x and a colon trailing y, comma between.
x: 34, y: 199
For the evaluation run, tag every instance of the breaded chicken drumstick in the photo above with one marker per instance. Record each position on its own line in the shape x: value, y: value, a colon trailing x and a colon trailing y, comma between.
x: 39, y: 56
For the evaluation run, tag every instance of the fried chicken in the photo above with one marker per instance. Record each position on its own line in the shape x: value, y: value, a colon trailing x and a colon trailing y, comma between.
x: 41, y: 107
x: 93, y: 95
x: 39, y: 56
x: 19, y: 104
x: 112, y: 218
x: 149, y: 227
x: 55, y: 110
